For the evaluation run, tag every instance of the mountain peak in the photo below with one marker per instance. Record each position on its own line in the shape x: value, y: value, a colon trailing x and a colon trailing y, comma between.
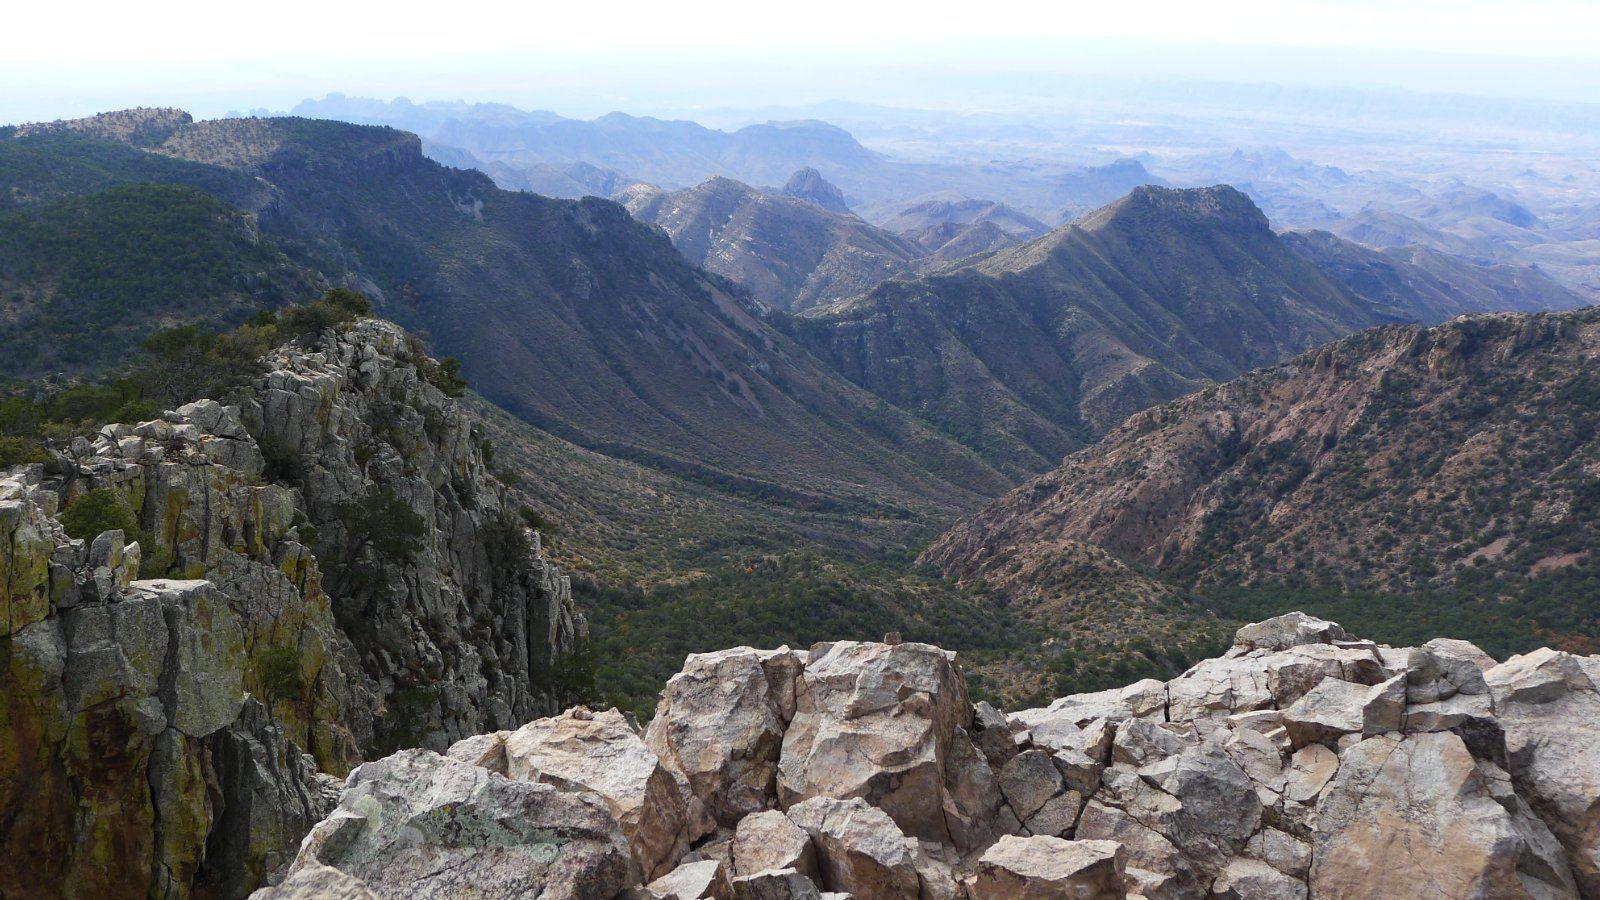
x: 1149, y: 206
x: 808, y: 184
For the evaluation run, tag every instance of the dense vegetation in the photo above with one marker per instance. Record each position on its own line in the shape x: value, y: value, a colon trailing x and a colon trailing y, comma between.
x: 84, y: 279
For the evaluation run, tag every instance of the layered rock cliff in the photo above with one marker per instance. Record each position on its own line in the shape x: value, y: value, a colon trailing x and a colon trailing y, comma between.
x: 318, y: 571
x: 1302, y: 762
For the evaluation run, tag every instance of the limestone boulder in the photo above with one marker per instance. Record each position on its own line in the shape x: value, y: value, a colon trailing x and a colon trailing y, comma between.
x: 581, y: 750
x: 720, y: 725
x: 703, y: 880
x: 1251, y: 879
x: 769, y: 840
x: 417, y: 825
x: 1414, y: 816
x: 1548, y: 704
x: 860, y: 849
x: 877, y: 721
x: 1047, y: 868
x: 1289, y: 630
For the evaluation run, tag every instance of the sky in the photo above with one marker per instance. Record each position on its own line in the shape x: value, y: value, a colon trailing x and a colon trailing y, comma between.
x: 65, y: 59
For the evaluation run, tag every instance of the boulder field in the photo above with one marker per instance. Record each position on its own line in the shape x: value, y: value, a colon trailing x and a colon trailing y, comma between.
x: 1301, y: 763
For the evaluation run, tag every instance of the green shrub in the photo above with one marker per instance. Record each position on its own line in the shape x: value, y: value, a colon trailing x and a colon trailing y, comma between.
x: 16, y: 451
x: 97, y: 511
x: 280, y: 675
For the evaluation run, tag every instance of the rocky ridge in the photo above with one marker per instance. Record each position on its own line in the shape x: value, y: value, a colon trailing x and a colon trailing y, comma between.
x: 172, y: 695
x: 1302, y: 762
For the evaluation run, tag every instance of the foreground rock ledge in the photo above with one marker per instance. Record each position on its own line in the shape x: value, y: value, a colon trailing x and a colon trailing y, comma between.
x: 1301, y: 763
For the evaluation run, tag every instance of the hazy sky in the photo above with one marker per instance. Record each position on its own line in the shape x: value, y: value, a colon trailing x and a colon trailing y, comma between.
x: 61, y: 59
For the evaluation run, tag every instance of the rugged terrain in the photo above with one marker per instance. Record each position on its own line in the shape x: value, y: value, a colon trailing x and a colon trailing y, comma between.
x: 203, y: 611
x: 1406, y: 477
x: 1036, y: 350
x: 791, y: 253
x: 1302, y: 762
x: 569, y: 314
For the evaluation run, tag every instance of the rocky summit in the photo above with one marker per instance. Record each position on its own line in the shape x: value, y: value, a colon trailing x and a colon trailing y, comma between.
x: 239, y: 626
x: 1303, y: 762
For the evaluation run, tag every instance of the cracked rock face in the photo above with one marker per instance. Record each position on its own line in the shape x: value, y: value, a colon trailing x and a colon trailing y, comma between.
x: 1302, y: 763
x: 173, y: 697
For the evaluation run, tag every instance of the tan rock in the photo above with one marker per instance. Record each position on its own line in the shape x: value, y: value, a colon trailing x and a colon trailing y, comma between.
x: 1251, y: 879
x: 860, y: 850
x: 775, y: 884
x: 1326, y: 713
x: 416, y: 825
x: 1412, y: 817
x: 1288, y: 630
x: 877, y: 721
x: 1548, y: 704
x: 720, y: 725
x: 581, y: 750
x: 703, y: 880
x: 769, y: 840
x: 1047, y: 868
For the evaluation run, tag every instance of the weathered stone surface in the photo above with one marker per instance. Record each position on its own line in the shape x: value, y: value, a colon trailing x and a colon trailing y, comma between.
x: 860, y: 850
x: 1046, y: 868
x: 1327, y: 712
x: 720, y: 725
x: 1029, y: 780
x: 1250, y: 879
x: 418, y: 825
x: 769, y: 840
x: 1288, y: 630
x: 775, y: 884
x: 168, y: 719
x: 876, y: 721
x: 1412, y: 816
x: 703, y: 880
x: 1548, y: 704
x: 581, y: 750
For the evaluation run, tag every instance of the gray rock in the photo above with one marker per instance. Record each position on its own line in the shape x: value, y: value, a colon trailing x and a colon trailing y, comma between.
x: 418, y: 825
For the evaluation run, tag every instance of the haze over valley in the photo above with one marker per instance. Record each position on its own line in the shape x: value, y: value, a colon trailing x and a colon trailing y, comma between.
x: 707, y: 454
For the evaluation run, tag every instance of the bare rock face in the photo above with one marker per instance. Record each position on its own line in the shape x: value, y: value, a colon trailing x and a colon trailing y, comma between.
x: 720, y: 726
x: 1302, y: 763
x: 703, y: 880
x: 775, y: 884
x: 600, y: 752
x: 769, y: 840
x: 859, y: 848
x: 877, y: 721
x: 174, y: 696
x: 1549, y: 705
x: 1047, y: 868
x: 1414, y: 815
x: 418, y: 825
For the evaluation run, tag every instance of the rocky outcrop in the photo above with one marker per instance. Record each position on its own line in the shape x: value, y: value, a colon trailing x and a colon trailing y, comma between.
x: 173, y: 693
x: 1304, y: 762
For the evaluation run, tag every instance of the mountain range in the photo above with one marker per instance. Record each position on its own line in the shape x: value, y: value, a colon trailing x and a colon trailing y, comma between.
x: 1411, y: 477
x: 708, y: 456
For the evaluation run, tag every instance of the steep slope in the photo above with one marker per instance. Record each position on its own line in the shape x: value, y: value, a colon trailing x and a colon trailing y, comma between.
x: 791, y: 253
x: 202, y: 611
x: 1412, y: 279
x: 808, y: 184
x: 1405, y: 476
x: 575, y: 317
x: 85, y: 278
x: 1034, y: 351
